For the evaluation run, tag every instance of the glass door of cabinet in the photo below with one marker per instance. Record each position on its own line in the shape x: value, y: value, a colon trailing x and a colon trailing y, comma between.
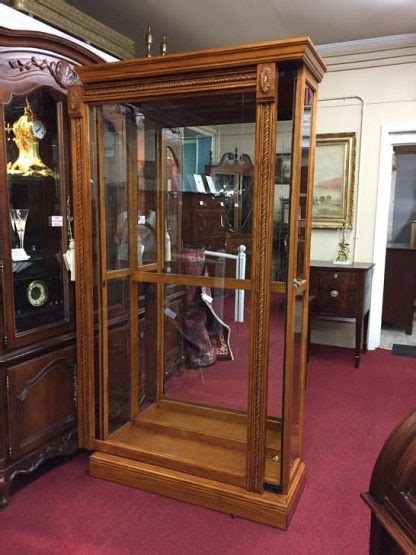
x: 298, y: 282
x: 182, y: 283
x: 36, y: 217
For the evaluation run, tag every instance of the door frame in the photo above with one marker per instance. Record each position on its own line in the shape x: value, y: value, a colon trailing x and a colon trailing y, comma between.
x: 392, y: 134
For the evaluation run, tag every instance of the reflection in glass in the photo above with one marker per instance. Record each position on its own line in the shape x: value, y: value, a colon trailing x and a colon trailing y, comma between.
x: 283, y: 173
x: 119, y: 380
x: 206, y: 176
x: 210, y: 346
x: 298, y: 352
x: 275, y: 385
x: 115, y: 122
x: 304, y: 182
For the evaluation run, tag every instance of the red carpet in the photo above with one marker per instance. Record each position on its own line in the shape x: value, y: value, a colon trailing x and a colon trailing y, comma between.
x: 349, y: 414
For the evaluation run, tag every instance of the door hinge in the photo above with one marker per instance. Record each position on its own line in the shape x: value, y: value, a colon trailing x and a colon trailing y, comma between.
x: 7, y: 383
x: 5, y: 341
x: 10, y: 452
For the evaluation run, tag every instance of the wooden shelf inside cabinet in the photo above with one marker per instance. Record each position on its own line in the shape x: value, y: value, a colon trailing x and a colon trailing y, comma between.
x: 343, y: 292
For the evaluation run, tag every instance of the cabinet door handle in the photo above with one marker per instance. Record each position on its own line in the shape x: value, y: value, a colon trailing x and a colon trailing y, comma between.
x: 334, y: 293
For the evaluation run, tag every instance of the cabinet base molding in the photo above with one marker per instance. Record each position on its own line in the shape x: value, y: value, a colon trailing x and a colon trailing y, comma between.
x: 62, y: 446
x: 269, y: 508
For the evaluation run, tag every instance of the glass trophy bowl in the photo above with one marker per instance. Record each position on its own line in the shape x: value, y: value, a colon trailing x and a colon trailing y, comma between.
x: 18, y: 217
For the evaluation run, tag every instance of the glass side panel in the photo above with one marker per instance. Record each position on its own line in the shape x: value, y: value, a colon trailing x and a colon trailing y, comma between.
x: 37, y: 209
x: 96, y: 278
x: 280, y: 257
x: 298, y: 350
x: 275, y: 389
x: 206, y: 346
x: 283, y: 173
x: 304, y: 182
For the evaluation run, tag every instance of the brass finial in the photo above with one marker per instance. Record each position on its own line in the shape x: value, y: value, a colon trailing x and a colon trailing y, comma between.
x: 163, y: 47
x: 149, y: 40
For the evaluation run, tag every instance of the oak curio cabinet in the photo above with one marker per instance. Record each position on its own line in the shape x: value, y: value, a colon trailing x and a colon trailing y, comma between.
x: 204, y: 401
x: 37, y: 350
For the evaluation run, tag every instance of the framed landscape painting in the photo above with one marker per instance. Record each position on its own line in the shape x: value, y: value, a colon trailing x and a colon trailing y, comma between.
x: 333, y: 192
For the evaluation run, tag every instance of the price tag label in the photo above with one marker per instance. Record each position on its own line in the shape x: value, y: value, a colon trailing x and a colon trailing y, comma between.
x: 56, y: 221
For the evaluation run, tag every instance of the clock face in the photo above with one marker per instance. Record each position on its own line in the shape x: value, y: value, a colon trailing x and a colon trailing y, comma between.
x: 37, y: 293
x: 39, y: 130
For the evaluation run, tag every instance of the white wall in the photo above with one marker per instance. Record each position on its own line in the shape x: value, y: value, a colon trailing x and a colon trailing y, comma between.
x: 382, y: 73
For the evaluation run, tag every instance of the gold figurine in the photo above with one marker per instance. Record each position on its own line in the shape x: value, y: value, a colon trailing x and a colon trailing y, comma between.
x: 163, y: 46
x: 149, y: 40
x: 27, y: 133
x: 343, y: 254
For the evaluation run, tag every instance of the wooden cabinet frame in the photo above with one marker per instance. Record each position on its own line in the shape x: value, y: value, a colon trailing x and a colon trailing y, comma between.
x: 252, y: 69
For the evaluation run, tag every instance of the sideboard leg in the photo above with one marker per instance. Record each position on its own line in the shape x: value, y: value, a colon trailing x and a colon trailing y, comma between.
x: 365, y: 333
x: 358, y: 336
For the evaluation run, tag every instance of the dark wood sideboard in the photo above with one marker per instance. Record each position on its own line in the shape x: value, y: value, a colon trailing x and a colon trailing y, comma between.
x: 341, y: 292
x: 399, y: 286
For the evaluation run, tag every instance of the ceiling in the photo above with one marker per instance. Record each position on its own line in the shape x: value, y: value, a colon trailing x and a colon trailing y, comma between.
x: 200, y: 24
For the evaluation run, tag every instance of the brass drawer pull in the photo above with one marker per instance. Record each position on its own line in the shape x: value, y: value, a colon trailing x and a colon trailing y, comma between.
x: 334, y: 293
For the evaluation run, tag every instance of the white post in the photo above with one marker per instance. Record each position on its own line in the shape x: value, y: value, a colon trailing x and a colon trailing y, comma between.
x: 241, y: 274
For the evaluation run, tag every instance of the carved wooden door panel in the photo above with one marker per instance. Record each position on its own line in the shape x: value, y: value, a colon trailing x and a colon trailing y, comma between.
x: 41, y: 399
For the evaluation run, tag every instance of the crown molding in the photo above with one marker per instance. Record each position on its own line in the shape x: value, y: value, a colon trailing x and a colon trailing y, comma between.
x: 369, y: 53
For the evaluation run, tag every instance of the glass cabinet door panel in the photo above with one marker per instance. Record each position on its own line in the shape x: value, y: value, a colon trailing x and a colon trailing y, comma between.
x: 118, y: 352
x: 206, y: 346
x: 116, y: 121
x: 189, y: 135
x: 147, y: 353
x: 37, y: 209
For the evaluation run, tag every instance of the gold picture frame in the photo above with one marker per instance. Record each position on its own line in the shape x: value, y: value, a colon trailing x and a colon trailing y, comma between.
x: 77, y: 23
x: 334, y: 181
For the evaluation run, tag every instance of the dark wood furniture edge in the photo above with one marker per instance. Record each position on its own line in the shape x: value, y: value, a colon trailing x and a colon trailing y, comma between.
x: 393, y: 481
x: 54, y: 44
x: 62, y: 446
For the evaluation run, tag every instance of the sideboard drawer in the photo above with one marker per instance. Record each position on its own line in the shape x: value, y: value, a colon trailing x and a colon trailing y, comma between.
x: 335, y: 292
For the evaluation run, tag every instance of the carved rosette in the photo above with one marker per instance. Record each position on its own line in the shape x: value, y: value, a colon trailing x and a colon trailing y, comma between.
x: 65, y: 74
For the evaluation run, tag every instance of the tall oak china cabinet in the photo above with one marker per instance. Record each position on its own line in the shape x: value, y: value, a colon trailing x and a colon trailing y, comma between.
x: 191, y: 351
x: 37, y: 347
